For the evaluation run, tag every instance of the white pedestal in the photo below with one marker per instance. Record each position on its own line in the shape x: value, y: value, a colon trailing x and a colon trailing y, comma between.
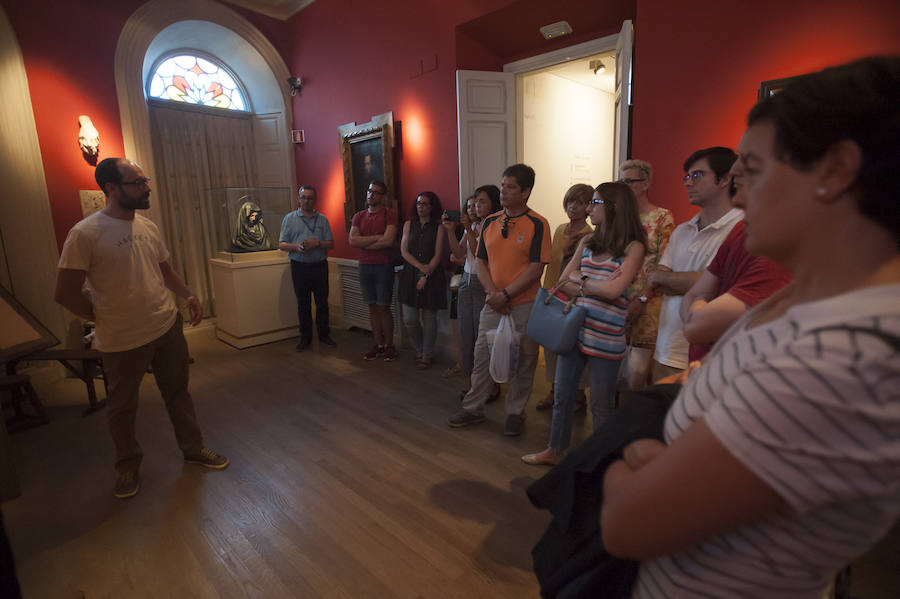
x: 255, y: 301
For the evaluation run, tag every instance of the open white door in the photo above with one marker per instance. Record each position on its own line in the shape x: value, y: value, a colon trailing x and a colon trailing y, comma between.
x: 624, y: 55
x: 486, y: 115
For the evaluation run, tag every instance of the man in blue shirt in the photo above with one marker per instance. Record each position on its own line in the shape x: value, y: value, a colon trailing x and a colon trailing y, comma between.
x: 306, y: 236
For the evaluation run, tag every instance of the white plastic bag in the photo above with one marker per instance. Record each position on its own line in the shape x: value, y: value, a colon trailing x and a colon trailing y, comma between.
x: 505, y: 350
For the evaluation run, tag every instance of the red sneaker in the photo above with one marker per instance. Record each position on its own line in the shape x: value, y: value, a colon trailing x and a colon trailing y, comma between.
x: 390, y: 353
x: 373, y: 353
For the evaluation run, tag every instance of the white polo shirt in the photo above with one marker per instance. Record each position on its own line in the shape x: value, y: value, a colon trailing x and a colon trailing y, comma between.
x: 690, y: 249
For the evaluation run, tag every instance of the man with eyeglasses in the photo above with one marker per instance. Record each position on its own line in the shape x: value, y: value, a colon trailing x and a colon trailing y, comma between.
x: 691, y: 248
x: 373, y: 231
x: 122, y: 259
x: 512, y: 253
x: 306, y: 237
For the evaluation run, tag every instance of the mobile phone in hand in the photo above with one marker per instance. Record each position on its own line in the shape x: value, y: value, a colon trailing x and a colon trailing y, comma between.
x: 453, y: 215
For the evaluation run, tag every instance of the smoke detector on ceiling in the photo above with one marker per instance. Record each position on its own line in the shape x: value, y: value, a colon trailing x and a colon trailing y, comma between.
x: 555, y: 30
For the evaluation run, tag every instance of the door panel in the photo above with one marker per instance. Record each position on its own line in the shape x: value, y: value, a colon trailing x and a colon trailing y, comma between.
x: 270, y: 132
x: 622, y: 131
x: 487, y: 131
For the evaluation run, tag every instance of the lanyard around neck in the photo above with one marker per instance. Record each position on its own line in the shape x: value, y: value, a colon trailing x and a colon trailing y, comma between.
x: 311, y: 229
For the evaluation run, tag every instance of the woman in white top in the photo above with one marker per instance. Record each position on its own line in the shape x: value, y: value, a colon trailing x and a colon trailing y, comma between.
x: 470, y: 297
x: 782, y: 454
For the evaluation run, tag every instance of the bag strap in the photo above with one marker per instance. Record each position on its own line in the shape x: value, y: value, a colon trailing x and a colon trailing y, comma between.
x: 552, y: 293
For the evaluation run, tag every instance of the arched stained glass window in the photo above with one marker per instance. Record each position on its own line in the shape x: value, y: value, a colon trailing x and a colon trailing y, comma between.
x: 195, y: 80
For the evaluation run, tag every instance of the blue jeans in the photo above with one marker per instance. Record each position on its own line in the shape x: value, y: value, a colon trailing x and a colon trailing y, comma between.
x: 423, y: 333
x: 603, y: 375
x: 470, y: 302
x: 377, y: 283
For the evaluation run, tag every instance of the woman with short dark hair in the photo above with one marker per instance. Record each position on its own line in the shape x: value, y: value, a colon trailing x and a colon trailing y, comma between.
x: 782, y: 461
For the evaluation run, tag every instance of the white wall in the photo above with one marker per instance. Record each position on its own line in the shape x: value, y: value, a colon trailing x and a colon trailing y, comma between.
x: 567, y: 137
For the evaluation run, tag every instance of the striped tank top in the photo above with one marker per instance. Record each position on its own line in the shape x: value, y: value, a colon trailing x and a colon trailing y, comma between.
x: 603, y: 333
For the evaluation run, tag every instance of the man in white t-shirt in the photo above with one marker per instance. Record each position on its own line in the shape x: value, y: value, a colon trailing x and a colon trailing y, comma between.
x: 691, y: 248
x: 118, y: 257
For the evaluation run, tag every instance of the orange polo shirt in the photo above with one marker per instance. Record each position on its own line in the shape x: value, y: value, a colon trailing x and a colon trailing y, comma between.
x: 527, y: 242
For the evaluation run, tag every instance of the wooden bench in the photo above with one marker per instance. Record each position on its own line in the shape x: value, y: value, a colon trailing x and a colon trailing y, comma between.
x: 85, y: 364
x: 22, y: 394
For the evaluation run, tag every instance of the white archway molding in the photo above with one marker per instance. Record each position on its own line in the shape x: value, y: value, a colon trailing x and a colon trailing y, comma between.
x: 134, y: 52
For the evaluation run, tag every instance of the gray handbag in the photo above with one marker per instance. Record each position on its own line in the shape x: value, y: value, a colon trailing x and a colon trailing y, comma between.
x: 554, y: 323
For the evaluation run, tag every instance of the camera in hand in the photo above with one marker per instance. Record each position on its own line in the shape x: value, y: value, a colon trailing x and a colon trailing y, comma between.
x: 452, y: 215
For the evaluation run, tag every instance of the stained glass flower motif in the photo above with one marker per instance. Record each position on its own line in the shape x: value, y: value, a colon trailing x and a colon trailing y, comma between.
x: 195, y: 80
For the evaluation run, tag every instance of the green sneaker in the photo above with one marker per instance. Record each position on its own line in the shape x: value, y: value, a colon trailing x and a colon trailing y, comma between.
x: 464, y: 418
x: 208, y: 459
x: 127, y: 485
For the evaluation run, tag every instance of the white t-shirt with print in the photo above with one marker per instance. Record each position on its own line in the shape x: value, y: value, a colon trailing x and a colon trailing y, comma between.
x: 810, y: 403
x: 121, y: 257
x: 690, y: 250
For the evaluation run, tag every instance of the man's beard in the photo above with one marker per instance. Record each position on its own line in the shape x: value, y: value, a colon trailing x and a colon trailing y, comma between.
x: 141, y: 202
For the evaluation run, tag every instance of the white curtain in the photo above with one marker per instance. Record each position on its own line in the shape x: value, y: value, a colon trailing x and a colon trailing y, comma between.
x: 196, y: 151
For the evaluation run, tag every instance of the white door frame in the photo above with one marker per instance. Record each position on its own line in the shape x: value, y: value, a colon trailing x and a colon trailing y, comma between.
x: 600, y: 45
x: 533, y: 63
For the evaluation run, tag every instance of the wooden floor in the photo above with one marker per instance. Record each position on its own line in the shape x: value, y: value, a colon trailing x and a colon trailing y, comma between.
x: 345, y: 482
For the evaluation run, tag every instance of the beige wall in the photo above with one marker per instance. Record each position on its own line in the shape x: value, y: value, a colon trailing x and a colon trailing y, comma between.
x: 30, y: 256
x: 567, y: 138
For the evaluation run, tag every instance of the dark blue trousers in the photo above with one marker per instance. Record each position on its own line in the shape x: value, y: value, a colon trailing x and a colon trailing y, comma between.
x: 311, y: 281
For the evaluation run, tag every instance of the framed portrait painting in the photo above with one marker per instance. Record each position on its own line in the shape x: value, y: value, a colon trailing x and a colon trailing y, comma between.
x: 366, y: 154
x: 773, y: 86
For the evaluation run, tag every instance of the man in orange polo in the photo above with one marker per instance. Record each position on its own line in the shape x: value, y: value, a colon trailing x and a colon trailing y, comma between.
x: 515, y: 246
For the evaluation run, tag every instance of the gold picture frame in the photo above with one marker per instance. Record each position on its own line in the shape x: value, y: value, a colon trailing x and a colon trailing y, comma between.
x: 367, y: 155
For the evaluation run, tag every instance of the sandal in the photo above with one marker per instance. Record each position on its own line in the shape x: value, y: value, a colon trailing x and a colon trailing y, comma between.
x: 423, y: 363
x: 548, y: 457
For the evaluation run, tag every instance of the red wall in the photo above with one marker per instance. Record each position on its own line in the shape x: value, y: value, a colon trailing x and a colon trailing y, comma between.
x: 698, y: 67
x: 358, y: 65
x: 70, y: 72
x: 699, y: 63
x: 69, y: 56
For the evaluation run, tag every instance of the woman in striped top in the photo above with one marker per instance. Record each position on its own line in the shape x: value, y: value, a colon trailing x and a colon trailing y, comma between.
x: 603, y: 267
x: 782, y: 454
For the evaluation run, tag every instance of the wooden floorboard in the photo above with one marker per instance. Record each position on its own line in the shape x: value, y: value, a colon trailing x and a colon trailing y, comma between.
x: 345, y: 482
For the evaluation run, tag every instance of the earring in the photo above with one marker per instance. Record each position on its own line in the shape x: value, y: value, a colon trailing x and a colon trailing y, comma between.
x: 821, y: 191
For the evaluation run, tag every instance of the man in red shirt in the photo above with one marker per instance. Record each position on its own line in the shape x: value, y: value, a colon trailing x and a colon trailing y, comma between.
x: 734, y: 282
x: 373, y: 231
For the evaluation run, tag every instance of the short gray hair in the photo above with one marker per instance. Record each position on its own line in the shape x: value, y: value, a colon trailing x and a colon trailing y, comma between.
x: 640, y: 165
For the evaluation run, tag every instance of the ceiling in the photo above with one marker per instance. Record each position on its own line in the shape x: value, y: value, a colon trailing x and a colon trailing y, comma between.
x: 280, y: 9
x: 513, y: 31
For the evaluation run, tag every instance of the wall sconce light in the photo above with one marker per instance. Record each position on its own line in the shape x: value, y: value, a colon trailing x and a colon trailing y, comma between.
x: 597, y: 66
x: 295, y: 83
x: 88, y: 139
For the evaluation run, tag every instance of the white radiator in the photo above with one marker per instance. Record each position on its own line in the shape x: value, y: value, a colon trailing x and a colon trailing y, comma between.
x: 356, y: 312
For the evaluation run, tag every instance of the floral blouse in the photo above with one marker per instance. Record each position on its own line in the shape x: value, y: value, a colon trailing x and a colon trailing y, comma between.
x: 659, y: 224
